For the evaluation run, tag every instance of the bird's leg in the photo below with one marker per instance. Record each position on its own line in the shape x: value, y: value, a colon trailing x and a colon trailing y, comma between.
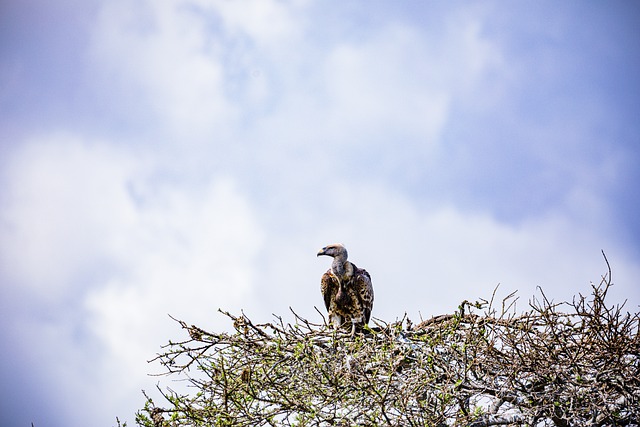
x: 336, y: 321
x: 354, y: 322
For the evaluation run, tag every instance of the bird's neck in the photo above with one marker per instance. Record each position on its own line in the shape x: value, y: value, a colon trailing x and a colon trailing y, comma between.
x: 341, y: 268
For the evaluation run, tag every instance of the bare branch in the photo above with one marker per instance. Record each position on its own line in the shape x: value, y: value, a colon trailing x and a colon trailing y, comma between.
x: 558, y: 364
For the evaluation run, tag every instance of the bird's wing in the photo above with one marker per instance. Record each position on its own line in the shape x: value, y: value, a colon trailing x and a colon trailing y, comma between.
x: 364, y: 290
x: 329, y: 287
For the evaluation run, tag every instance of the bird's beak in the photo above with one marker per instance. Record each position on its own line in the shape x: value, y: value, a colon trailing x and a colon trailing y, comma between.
x: 322, y: 252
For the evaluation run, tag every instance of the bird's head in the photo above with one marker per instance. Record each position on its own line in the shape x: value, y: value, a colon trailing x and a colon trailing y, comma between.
x: 337, y: 250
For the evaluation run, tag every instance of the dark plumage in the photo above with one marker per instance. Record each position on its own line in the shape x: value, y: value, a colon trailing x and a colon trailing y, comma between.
x: 346, y: 289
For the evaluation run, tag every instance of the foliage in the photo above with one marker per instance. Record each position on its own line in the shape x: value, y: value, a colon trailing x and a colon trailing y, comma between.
x: 563, y: 364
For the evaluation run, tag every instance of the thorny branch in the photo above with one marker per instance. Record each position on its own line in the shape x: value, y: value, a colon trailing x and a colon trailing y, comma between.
x: 568, y: 364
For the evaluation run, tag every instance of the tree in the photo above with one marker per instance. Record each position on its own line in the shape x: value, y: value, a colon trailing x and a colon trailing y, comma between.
x: 567, y: 364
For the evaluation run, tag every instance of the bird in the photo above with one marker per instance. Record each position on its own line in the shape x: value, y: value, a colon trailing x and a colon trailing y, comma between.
x: 346, y: 289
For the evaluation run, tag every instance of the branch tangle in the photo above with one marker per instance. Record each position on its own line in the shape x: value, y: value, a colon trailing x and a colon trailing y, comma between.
x: 545, y: 367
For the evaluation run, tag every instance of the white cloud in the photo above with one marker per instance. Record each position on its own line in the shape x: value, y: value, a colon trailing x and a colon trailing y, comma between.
x: 267, y: 23
x: 106, y: 253
x: 190, y: 253
x: 161, y: 56
x: 403, y: 80
x: 386, y: 86
x: 65, y: 199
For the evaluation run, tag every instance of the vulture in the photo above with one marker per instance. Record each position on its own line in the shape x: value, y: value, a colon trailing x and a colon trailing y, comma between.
x: 346, y: 289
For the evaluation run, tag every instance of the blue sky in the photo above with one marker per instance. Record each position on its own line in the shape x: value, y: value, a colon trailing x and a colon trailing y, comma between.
x: 183, y: 156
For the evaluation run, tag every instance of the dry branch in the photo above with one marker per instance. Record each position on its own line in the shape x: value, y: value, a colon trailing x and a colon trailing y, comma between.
x: 569, y: 364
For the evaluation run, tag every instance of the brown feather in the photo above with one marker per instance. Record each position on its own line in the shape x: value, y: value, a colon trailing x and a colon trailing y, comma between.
x: 328, y: 287
x: 354, y: 300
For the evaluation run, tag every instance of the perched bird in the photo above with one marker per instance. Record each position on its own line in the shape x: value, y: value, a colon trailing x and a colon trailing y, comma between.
x: 346, y: 289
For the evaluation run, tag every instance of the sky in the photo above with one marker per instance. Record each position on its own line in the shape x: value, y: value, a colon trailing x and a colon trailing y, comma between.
x: 176, y: 157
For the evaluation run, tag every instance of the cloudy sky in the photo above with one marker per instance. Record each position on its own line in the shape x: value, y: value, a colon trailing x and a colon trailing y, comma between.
x: 179, y: 156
